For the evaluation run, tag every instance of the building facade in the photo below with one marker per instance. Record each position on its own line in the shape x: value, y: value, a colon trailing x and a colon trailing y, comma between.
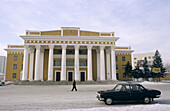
x: 2, y: 64
x: 139, y: 58
x: 66, y: 55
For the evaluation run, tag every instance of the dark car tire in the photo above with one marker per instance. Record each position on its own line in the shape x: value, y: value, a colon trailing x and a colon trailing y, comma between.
x: 147, y: 100
x: 108, y: 101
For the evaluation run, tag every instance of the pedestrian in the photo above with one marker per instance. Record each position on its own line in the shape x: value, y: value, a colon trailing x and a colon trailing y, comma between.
x: 74, y: 86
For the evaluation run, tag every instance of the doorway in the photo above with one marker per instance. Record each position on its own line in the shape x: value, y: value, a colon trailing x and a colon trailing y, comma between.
x: 57, y: 75
x: 70, y: 75
x: 82, y: 76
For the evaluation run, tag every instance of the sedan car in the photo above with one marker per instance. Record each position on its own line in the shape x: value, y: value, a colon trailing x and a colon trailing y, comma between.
x: 128, y: 92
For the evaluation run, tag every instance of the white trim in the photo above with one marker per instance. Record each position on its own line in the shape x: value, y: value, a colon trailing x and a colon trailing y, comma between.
x: 70, y: 38
x: 72, y: 75
x: 85, y: 74
x: 55, y: 74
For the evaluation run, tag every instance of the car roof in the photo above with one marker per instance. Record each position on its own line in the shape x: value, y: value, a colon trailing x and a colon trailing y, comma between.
x: 129, y: 84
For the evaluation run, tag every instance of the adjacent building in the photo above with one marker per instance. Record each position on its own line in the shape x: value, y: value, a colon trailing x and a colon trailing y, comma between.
x: 2, y: 64
x: 67, y: 54
x: 139, y: 58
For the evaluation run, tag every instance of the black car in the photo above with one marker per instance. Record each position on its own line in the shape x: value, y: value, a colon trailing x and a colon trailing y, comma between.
x: 128, y: 92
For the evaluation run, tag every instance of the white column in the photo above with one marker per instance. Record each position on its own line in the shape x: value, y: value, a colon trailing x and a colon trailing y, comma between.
x: 50, y: 63
x: 108, y: 63
x: 113, y: 63
x: 89, y: 63
x: 76, y: 63
x: 31, y: 64
x: 25, y: 65
x: 102, y: 64
x: 63, y: 63
x: 98, y: 64
x: 37, y: 63
x: 41, y: 63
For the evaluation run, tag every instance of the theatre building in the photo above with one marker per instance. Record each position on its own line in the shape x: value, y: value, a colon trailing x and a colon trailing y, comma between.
x: 66, y: 55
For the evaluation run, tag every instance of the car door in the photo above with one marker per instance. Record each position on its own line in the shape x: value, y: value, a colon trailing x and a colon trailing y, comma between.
x: 124, y: 93
x: 136, y: 92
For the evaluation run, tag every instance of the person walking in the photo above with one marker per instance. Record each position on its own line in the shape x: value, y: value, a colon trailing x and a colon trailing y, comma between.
x: 74, y: 86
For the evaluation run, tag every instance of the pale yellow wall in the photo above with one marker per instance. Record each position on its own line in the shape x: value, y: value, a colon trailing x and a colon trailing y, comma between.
x: 120, y: 64
x: 55, y: 33
x: 45, y: 72
x: 94, y: 64
x: 9, y: 66
x: 70, y: 32
x: 88, y: 33
x: 105, y: 34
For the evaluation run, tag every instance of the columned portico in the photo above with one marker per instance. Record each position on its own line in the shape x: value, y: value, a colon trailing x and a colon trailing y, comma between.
x: 63, y: 63
x: 102, y: 64
x: 67, y: 54
x: 89, y: 63
x: 113, y: 63
x: 37, y: 63
x: 50, y: 63
x: 76, y: 63
x: 25, y: 64
x: 31, y: 64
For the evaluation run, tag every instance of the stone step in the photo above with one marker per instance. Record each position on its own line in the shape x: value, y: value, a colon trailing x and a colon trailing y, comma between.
x: 65, y: 82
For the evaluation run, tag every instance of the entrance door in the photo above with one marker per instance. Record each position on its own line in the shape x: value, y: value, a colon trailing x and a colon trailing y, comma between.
x: 82, y: 76
x: 70, y: 76
x: 57, y: 76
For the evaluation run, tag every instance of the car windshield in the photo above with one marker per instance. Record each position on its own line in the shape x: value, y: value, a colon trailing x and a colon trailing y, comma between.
x: 117, y: 88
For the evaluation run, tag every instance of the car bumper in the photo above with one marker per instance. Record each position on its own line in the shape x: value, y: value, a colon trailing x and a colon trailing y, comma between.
x: 99, y: 97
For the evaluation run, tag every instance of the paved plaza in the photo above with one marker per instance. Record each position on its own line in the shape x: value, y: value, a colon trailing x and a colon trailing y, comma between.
x: 60, y: 97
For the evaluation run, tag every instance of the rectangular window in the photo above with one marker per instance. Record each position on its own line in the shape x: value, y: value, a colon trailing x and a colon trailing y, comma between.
x: 116, y: 58
x: 15, y: 58
x: 123, y: 58
x: 59, y: 51
x: 116, y: 66
x: 134, y: 58
x: 69, y: 62
x: 70, y: 51
x: 124, y: 75
x: 124, y: 67
x: 14, y: 66
x: 57, y: 62
x: 149, y: 57
x: 14, y: 75
x: 83, y: 62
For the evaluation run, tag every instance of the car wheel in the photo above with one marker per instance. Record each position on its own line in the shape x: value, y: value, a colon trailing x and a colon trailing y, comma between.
x: 109, y: 101
x: 147, y: 100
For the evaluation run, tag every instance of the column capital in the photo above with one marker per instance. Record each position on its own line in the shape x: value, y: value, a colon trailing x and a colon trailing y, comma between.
x: 98, y: 50
x: 64, y: 46
x: 51, y: 46
x: 89, y: 47
x: 102, y: 47
x: 31, y: 50
x: 37, y: 47
x: 26, y: 46
x: 76, y: 46
x: 108, y: 50
x: 41, y: 49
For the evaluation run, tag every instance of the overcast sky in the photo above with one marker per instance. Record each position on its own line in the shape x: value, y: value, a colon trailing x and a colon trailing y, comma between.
x: 142, y: 24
